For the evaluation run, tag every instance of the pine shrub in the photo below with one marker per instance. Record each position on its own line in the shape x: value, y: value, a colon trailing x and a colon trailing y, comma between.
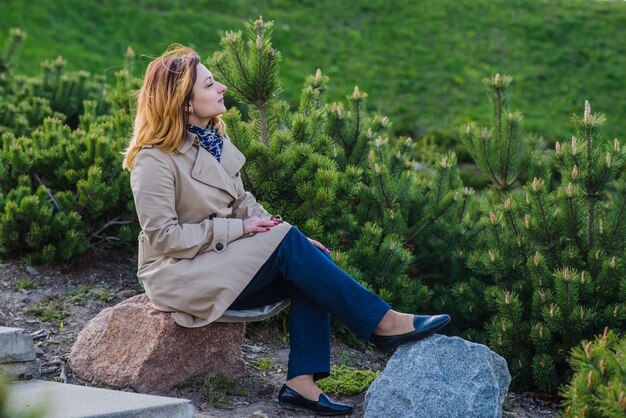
x: 552, y: 256
x: 598, y: 385
x: 62, y: 189
x: 336, y: 171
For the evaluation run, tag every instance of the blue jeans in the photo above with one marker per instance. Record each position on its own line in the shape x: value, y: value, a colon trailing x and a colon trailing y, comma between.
x: 299, y: 271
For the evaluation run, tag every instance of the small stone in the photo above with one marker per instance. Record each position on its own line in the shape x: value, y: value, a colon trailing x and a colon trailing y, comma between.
x: 254, y: 348
x: 281, y: 356
x: 440, y: 377
x: 42, y: 333
x: 32, y: 271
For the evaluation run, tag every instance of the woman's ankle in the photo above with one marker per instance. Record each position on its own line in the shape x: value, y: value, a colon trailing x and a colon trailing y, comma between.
x: 305, y: 386
x: 394, y: 323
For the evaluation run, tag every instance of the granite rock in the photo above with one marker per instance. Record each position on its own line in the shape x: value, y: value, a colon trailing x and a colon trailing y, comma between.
x: 132, y: 345
x: 440, y: 376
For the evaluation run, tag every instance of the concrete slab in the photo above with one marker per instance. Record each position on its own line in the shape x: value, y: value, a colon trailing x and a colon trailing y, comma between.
x: 15, y: 345
x: 60, y: 400
x: 22, y: 369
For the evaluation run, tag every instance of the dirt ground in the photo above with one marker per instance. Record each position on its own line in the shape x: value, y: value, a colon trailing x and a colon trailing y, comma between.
x: 54, y: 303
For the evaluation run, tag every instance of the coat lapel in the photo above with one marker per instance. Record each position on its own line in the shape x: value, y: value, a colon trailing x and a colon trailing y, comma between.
x: 232, y: 159
x: 209, y: 171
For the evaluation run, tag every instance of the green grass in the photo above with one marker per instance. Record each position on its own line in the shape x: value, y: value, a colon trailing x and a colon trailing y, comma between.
x: 216, y: 389
x: 265, y: 363
x: 80, y: 295
x: 421, y: 62
x: 22, y: 284
x: 49, y: 310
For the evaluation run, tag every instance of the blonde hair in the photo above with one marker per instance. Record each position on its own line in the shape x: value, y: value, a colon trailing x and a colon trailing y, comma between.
x: 161, y: 118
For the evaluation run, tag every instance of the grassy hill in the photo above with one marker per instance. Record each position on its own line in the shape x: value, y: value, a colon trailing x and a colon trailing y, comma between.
x: 420, y: 61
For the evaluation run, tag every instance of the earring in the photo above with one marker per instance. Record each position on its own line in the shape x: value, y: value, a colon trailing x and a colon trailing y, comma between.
x: 190, y: 111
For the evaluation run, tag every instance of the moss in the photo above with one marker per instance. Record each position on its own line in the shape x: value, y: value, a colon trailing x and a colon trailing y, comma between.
x: 218, y: 388
x: 345, y: 380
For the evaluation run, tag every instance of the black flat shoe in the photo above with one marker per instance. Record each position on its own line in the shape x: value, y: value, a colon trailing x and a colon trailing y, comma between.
x: 290, y: 399
x: 424, y: 326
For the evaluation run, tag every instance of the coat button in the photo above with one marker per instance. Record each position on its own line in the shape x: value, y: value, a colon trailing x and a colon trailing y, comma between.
x: 230, y: 205
x: 219, y: 246
x: 213, y: 215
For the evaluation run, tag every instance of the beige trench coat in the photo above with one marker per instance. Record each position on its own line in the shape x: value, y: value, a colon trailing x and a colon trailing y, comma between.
x: 194, y: 259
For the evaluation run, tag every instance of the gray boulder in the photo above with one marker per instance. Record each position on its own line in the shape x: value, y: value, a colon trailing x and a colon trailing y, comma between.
x: 440, y: 376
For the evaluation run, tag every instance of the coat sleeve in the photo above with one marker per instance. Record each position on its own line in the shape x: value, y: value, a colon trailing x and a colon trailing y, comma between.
x: 153, y: 185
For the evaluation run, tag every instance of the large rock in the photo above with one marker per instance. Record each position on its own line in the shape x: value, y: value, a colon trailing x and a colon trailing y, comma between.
x: 132, y: 345
x: 440, y: 377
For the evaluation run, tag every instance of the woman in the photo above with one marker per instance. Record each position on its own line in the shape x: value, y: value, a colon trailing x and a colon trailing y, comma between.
x: 207, y: 246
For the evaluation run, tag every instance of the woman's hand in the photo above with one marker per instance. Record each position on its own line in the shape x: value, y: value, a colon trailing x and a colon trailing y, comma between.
x: 256, y: 224
x: 319, y: 245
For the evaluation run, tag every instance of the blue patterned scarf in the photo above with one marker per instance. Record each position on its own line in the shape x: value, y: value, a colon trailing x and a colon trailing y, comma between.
x: 209, y: 138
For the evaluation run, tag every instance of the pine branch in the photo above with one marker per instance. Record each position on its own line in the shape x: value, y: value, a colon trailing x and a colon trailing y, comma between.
x: 357, y: 127
x: 263, y: 123
x: 242, y: 68
x: 462, y: 209
x: 475, y: 234
x: 232, y: 84
x: 385, y: 262
x: 428, y: 223
x: 498, y: 117
x: 52, y: 199
x: 483, y: 142
x: 572, y: 224
x: 511, y: 222
x: 620, y: 217
x: 508, y: 154
x: 116, y: 221
x: 592, y: 214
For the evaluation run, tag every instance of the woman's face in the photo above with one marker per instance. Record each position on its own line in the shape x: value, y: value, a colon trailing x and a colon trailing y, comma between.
x: 207, y: 98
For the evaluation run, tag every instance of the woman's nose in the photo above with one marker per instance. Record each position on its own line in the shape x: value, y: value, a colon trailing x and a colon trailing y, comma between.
x: 223, y: 89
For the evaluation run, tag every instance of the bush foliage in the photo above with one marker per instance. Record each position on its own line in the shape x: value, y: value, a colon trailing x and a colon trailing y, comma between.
x: 598, y: 385
x: 552, y: 253
x: 62, y: 189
